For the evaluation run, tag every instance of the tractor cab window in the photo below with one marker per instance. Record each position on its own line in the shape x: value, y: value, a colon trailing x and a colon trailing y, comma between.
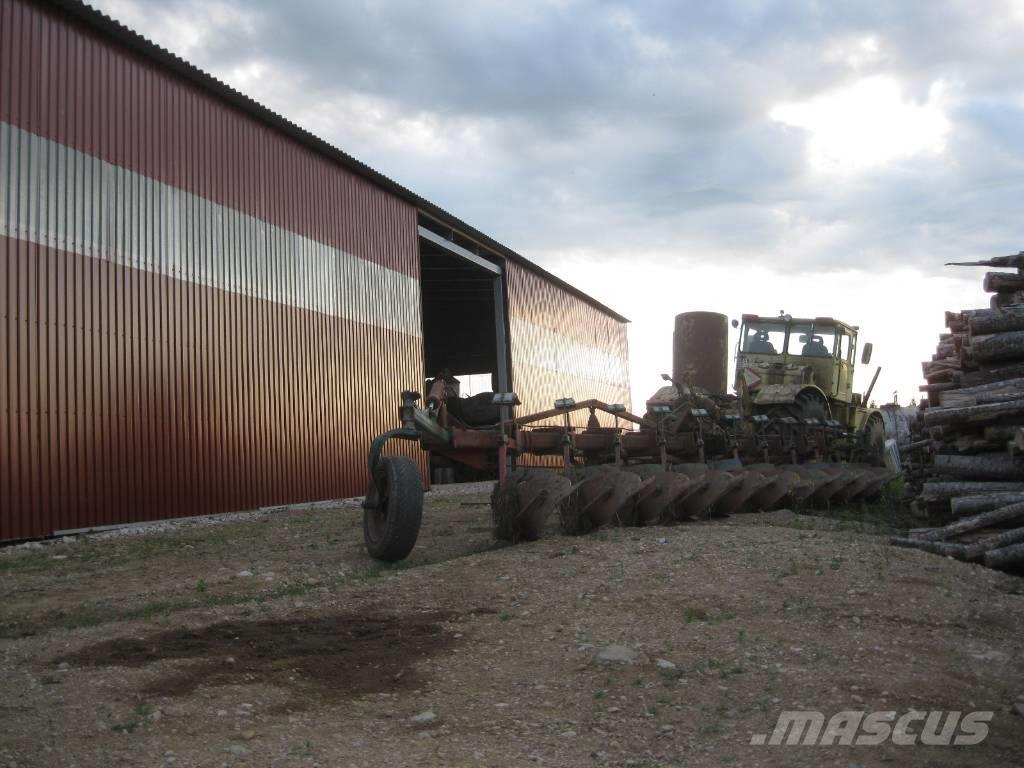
x: 764, y: 338
x: 843, y: 348
x: 810, y: 340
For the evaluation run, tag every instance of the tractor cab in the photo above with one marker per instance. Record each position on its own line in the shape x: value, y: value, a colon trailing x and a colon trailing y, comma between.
x: 779, y: 356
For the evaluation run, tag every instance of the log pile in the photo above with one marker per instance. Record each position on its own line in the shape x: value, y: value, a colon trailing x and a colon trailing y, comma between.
x: 973, y: 419
x: 997, y: 549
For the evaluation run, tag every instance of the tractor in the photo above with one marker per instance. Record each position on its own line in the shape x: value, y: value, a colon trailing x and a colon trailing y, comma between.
x: 803, y: 368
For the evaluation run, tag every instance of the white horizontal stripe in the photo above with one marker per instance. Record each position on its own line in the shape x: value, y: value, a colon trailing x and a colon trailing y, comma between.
x: 62, y: 198
x: 545, y: 348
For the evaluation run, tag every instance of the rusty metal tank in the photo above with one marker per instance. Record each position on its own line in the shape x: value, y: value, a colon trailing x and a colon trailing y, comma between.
x: 700, y: 351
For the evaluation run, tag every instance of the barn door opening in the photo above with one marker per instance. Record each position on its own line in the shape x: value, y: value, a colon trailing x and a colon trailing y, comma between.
x: 464, y: 327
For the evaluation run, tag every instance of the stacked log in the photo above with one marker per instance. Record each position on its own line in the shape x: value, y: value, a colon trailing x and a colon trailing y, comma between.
x: 998, y: 549
x: 974, y: 420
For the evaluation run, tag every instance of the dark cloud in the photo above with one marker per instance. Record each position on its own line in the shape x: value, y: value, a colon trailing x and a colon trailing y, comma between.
x: 645, y: 126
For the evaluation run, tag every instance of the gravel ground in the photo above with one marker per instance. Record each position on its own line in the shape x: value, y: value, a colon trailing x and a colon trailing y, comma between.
x: 270, y: 639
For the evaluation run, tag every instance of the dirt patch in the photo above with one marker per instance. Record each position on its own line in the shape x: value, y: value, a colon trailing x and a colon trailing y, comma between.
x: 292, y: 554
x: 469, y: 654
x: 334, y: 657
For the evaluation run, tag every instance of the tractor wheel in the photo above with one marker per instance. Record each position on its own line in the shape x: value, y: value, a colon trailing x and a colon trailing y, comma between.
x: 874, y: 440
x: 391, y: 526
x: 811, y: 405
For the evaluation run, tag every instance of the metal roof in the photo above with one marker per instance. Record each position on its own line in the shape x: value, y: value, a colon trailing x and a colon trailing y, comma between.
x: 135, y: 42
x: 800, y: 320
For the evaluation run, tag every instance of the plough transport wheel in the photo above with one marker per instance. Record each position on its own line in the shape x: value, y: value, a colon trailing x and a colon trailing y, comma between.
x: 393, y: 510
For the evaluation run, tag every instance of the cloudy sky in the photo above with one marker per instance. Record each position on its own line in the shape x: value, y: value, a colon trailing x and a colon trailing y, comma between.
x: 817, y: 157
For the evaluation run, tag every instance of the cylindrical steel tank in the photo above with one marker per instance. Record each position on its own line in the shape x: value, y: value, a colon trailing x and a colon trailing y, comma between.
x: 700, y: 351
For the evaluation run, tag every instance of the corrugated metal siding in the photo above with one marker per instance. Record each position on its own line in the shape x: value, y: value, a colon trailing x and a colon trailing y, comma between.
x: 68, y: 85
x: 198, y: 314
x: 562, y: 346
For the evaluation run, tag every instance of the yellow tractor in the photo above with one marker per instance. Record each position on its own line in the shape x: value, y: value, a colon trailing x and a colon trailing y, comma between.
x: 803, y: 367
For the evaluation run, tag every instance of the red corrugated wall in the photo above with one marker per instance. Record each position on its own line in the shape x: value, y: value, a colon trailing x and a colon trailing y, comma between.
x: 561, y: 346
x: 198, y: 314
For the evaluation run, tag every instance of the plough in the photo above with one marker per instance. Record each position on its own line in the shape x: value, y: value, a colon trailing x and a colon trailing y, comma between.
x: 692, y: 455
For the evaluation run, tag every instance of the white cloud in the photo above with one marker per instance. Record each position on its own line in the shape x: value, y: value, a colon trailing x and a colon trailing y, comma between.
x: 187, y: 35
x: 246, y: 78
x: 857, y: 53
x: 867, y: 125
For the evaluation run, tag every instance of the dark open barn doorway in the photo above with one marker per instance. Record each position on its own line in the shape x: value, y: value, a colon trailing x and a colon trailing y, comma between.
x: 464, y: 329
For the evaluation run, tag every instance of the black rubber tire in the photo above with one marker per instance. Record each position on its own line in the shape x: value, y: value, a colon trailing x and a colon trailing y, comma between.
x: 811, y: 405
x: 391, y: 528
x: 874, y: 441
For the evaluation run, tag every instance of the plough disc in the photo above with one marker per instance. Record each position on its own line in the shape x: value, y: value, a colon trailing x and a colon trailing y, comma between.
x: 660, y: 494
x: 603, y: 496
x: 738, y: 499
x: 870, y: 486
x: 849, y: 492
x: 524, y: 502
x: 841, y: 477
x: 702, y: 503
x: 813, y: 478
x: 782, y: 488
x: 827, y: 484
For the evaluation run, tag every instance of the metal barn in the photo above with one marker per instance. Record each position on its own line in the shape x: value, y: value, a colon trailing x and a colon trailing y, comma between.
x: 206, y: 308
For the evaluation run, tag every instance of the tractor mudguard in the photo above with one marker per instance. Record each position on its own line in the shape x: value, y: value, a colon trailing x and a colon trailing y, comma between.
x: 783, y: 394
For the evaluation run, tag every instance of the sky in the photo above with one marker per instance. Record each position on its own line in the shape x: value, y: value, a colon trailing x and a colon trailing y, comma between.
x: 817, y: 158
